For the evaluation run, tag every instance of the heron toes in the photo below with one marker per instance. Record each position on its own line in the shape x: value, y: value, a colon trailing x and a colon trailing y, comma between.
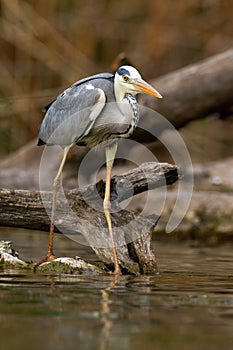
x: 117, y: 271
x: 49, y: 257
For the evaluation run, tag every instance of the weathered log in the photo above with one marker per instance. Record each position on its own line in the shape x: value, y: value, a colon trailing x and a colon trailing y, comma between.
x: 79, y: 214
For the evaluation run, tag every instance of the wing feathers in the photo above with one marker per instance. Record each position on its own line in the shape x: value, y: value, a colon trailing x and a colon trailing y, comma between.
x: 72, y: 115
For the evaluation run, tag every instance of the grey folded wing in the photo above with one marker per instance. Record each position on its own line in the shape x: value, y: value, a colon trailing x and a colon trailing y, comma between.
x: 72, y: 115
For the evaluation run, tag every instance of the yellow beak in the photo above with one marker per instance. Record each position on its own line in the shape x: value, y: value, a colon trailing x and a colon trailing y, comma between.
x: 143, y: 86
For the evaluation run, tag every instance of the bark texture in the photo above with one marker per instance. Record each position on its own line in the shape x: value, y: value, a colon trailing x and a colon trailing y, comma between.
x: 79, y: 215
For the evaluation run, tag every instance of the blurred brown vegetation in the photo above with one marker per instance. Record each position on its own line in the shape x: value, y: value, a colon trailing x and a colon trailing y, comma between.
x: 47, y: 45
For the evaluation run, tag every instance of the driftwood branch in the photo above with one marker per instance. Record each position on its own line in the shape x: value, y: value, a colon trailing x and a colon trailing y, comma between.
x: 80, y: 215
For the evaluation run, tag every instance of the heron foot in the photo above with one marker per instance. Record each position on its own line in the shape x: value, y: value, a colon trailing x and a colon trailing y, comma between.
x: 49, y: 257
x: 117, y: 270
x: 115, y: 273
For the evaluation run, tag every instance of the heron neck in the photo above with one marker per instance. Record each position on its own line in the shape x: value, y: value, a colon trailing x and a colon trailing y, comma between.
x: 120, y: 96
x: 135, y: 110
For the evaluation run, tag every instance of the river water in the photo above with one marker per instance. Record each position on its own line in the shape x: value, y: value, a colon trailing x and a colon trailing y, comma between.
x: 188, y: 305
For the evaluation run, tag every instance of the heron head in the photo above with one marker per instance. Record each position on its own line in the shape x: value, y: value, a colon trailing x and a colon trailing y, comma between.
x: 129, y: 80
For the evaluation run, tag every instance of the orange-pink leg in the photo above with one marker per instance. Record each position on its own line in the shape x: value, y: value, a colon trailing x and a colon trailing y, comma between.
x: 50, y: 255
x: 110, y: 155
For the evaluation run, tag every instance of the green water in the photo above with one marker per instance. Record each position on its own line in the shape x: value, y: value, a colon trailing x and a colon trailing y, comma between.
x: 188, y: 305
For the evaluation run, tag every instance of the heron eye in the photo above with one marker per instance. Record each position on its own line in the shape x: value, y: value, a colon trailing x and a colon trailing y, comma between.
x: 125, y: 78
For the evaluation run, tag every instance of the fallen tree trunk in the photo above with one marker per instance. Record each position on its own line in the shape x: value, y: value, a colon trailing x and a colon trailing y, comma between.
x: 80, y: 215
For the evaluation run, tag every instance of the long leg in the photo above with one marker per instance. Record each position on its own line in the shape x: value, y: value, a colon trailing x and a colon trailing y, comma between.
x: 50, y: 255
x: 110, y: 155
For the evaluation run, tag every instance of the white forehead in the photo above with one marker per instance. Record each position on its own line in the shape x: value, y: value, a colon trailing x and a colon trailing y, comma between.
x: 128, y: 70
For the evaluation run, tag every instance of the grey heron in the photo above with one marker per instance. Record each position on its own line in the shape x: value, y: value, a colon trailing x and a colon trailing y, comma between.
x: 100, y: 108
